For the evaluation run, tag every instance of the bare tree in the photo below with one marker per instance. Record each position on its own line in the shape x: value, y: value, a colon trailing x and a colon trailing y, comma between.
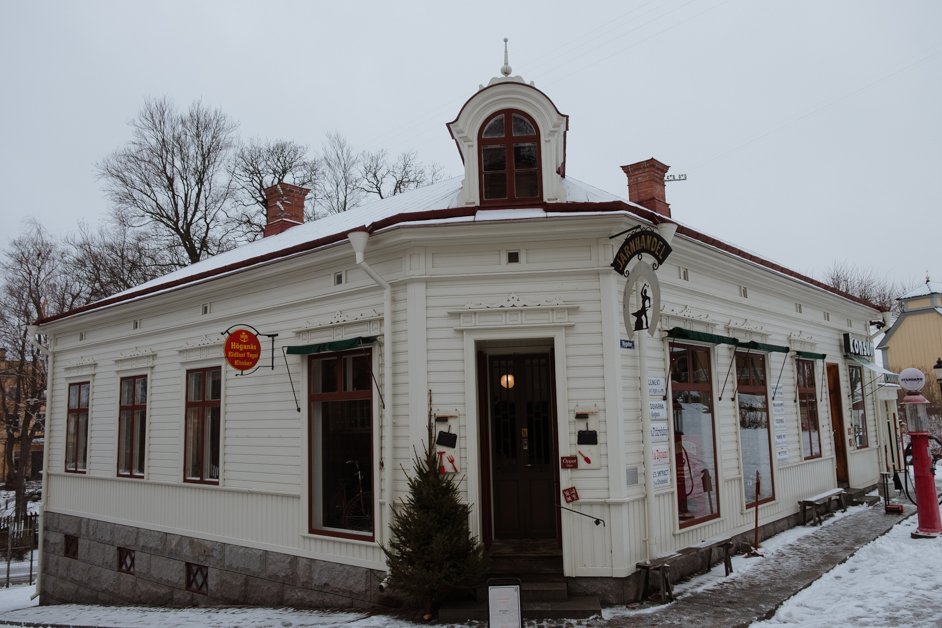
x: 172, y: 175
x: 259, y: 165
x: 382, y: 177
x: 114, y: 258
x: 865, y: 284
x: 339, y: 187
x: 34, y: 286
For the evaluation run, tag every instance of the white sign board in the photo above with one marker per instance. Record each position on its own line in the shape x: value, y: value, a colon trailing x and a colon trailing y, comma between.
x: 912, y: 379
x: 658, y: 409
x: 661, y: 477
x: 659, y: 432
x: 660, y: 455
x: 781, y: 454
x: 503, y: 606
x: 781, y: 439
x: 657, y: 386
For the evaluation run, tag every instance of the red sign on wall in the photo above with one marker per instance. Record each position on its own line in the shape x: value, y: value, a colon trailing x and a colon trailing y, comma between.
x: 568, y: 462
x: 571, y: 494
x: 242, y: 349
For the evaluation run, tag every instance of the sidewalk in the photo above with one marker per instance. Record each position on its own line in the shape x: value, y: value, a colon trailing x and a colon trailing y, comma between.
x: 757, y: 593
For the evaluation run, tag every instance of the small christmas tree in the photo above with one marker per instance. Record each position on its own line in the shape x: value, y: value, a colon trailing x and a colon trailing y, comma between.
x: 432, y: 555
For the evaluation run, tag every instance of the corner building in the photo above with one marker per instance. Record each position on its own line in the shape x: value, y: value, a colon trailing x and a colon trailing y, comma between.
x: 649, y: 396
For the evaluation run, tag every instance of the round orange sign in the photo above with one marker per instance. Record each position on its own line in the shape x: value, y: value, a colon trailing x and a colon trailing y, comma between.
x: 242, y: 349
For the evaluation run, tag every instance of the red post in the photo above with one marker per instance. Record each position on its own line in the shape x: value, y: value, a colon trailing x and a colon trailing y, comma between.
x: 927, y: 503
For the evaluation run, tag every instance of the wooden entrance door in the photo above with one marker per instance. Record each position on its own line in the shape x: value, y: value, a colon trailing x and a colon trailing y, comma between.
x: 523, y: 451
x: 837, y: 424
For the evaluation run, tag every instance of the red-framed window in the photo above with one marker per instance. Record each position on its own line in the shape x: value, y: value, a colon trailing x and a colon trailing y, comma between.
x: 76, y: 430
x: 509, y: 159
x: 132, y: 426
x: 858, y: 408
x: 698, y: 497
x: 755, y: 437
x: 203, y: 417
x: 340, y: 399
x: 808, y: 410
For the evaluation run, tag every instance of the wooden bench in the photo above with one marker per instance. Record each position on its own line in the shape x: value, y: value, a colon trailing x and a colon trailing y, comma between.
x: 825, y: 499
x: 705, y: 550
x: 662, y: 566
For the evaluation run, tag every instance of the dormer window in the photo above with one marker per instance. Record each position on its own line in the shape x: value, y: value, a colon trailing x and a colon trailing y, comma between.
x: 510, y: 158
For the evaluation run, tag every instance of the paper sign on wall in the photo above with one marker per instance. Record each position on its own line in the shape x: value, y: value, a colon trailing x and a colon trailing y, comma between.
x: 659, y: 433
x: 658, y: 409
x: 657, y: 386
x: 781, y: 454
x: 781, y: 439
x: 661, y: 477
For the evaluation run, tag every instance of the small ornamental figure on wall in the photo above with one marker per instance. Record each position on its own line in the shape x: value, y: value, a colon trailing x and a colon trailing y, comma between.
x: 641, y: 314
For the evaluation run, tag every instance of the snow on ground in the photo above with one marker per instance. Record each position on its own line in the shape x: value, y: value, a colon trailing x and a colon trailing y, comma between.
x: 894, y: 581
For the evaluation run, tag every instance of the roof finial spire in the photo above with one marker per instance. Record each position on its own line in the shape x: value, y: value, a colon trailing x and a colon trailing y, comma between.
x: 505, y: 69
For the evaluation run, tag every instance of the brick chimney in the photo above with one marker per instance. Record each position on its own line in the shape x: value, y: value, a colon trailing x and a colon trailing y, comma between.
x: 646, y: 185
x: 285, y: 205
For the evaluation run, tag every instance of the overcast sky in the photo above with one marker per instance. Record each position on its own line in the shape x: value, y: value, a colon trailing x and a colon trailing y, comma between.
x: 808, y: 130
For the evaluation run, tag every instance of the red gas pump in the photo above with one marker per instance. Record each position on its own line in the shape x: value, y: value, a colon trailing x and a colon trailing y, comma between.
x: 917, y: 421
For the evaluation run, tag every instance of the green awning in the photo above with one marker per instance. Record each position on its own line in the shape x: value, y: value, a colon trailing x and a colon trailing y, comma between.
x: 680, y: 333
x: 811, y: 355
x: 761, y: 346
x: 889, y: 376
x: 335, y: 345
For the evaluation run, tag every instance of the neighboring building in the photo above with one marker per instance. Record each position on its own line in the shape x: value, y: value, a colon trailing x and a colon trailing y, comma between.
x: 915, y: 337
x: 489, y: 303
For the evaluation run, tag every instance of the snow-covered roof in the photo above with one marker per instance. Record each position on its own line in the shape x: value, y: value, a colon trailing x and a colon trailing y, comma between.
x: 433, y: 204
x: 924, y: 290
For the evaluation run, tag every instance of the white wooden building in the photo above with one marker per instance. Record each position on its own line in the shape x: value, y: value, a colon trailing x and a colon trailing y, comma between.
x: 173, y: 478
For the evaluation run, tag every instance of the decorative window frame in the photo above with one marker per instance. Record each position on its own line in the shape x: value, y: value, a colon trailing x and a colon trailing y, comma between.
x: 513, y: 312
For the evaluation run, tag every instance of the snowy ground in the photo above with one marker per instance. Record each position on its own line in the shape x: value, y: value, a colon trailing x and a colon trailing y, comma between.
x: 894, y: 581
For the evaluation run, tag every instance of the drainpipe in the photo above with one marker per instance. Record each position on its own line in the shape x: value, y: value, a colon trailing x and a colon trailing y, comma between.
x: 358, y: 241
x: 32, y: 332
x: 666, y: 230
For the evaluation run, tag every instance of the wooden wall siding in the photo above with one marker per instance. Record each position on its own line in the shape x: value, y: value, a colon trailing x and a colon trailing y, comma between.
x: 916, y: 342
x: 240, y: 517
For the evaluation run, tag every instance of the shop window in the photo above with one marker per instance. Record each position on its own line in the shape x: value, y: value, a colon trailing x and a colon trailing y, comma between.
x: 340, y: 399
x: 858, y: 411
x: 203, y: 411
x: 132, y: 426
x: 509, y: 147
x: 808, y: 410
x: 754, y: 434
x: 698, y: 497
x: 76, y: 431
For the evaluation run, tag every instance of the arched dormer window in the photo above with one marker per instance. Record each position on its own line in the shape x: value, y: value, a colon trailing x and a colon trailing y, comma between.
x: 509, y: 158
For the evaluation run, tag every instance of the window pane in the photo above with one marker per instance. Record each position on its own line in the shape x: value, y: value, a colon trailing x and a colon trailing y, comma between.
x: 357, y: 375
x: 344, y: 480
x: 495, y: 128
x: 140, y: 421
x: 810, y: 432
x: 83, y: 395
x: 324, y: 375
x: 495, y: 186
x: 73, y: 396
x: 140, y: 390
x: 756, y: 446
x: 214, y: 384
x: 525, y: 156
x: 125, y: 430
x: 493, y: 158
x: 211, y: 444
x: 680, y: 366
x: 191, y: 449
x: 522, y: 126
x: 700, y: 359
x: 81, y: 441
x: 858, y: 413
x: 194, y: 386
x: 525, y: 185
x: 695, y: 455
x: 127, y: 391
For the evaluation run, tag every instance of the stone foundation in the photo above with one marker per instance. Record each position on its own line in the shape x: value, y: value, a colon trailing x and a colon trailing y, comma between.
x: 236, y: 575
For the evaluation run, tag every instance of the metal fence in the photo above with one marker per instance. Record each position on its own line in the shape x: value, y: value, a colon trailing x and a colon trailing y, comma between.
x: 19, y: 538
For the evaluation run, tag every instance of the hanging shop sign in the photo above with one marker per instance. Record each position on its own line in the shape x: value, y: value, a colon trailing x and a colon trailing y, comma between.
x: 638, y: 242
x: 641, y: 305
x: 243, y: 349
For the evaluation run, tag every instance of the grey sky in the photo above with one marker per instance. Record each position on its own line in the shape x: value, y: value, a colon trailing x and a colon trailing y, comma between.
x: 808, y: 130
